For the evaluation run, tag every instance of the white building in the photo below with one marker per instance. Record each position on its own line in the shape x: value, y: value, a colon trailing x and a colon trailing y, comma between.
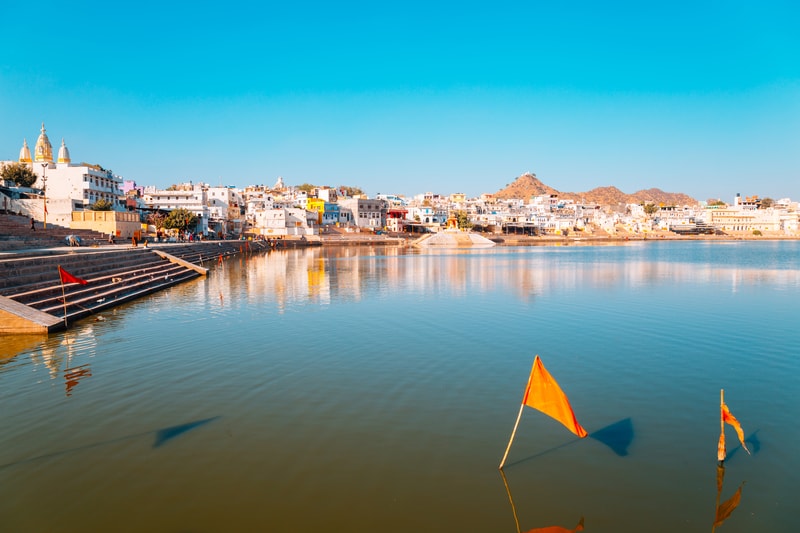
x: 280, y: 222
x: 226, y: 209
x: 192, y: 198
x: 66, y: 186
x: 363, y: 212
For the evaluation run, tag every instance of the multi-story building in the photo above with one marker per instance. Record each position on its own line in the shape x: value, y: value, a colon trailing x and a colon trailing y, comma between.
x: 363, y: 212
x: 226, y: 209
x: 192, y: 198
x: 68, y: 187
x: 280, y: 222
x: 735, y: 219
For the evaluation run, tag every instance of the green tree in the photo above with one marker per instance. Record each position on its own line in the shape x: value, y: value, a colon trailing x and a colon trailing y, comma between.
x: 180, y: 219
x: 463, y: 220
x: 307, y: 188
x: 766, y: 202
x: 650, y: 209
x: 101, y: 205
x: 719, y: 203
x: 19, y: 173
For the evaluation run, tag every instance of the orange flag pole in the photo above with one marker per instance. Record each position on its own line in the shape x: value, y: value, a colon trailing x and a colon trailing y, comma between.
x: 721, y: 445
x: 511, y: 440
x: 516, y: 424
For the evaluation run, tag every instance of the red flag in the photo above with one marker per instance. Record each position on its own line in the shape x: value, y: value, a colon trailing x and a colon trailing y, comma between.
x: 66, y: 277
x: 544, y: 394
x: 45, y: 208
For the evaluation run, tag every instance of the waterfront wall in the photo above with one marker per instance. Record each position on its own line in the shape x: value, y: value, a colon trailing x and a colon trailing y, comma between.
x: 122, y: 224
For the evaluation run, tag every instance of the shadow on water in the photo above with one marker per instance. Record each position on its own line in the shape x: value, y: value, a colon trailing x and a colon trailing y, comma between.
x: 167, y: 434
x: 753, y: 443
x: 617, y: 436
x: 162, y: 436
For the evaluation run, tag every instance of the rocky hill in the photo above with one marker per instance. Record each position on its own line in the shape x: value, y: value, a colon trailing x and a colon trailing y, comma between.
x: 528, y: 185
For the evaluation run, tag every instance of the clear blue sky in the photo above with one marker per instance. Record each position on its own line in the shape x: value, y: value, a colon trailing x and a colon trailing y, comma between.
x: 407, y: 97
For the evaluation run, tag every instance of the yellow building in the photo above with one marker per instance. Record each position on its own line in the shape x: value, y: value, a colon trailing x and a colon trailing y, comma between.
x: 318, y: 205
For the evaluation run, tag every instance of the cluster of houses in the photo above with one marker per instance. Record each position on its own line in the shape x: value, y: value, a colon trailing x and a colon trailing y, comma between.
x: 67, y: 194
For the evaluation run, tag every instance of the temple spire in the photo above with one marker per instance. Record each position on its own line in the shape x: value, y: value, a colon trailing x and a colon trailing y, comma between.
x: 43, y: 150
x: 25, y: 152
x: 63, y: 153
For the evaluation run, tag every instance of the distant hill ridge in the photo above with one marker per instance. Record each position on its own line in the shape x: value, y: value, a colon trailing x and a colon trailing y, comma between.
x: 528, y: 185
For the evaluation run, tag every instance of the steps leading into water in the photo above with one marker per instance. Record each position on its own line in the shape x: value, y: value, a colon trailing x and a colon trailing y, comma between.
x: 33, y: 300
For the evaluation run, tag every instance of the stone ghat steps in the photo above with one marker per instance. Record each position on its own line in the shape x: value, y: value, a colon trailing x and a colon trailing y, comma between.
x: 114, y: 275
x: 26, y: 272
x: 43, y: 298
x: 29, y: 273
x: 112, y: 279
x: 16, y: 234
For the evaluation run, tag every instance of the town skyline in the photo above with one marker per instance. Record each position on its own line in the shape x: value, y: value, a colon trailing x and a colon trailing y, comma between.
x: 701, y: 100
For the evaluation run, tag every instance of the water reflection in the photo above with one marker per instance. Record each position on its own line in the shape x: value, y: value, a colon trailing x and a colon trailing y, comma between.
x: 323, y: 274
x: 307, y: 352
x: 548, y: 529
x: 12, y: 345
x: 724, y: 509
x: 72, y: 376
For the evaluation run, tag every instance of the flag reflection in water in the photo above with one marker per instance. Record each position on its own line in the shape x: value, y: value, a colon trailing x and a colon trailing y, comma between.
x: 725, y: 508
x: 72, y: 376
x: 548, y: 529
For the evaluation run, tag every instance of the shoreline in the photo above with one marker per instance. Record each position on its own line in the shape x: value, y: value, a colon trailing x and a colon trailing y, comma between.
x: 551, y: 240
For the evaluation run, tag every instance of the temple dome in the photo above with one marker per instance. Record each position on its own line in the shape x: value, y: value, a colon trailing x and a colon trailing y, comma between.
x: 63, y: 153
x: 43, y: 149
x: 25, y: 152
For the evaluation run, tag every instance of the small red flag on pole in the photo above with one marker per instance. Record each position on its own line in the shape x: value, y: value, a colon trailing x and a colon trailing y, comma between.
x: 66, y: 277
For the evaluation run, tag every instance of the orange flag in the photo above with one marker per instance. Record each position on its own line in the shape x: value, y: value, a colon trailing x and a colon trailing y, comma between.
x: 66, y: 277
x: 544, y: 394
x: 727, y: 418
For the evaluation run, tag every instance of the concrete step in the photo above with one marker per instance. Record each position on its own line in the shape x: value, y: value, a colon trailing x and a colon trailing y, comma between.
x: 26, y: 274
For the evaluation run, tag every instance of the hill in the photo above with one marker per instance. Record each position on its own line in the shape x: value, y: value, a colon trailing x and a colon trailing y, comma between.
x: 528, y: 185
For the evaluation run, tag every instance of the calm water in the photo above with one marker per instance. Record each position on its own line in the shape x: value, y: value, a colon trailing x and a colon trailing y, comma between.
x: 363, y: 390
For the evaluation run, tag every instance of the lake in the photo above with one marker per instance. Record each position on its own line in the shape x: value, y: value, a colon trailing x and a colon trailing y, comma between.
x: 369, y: 389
